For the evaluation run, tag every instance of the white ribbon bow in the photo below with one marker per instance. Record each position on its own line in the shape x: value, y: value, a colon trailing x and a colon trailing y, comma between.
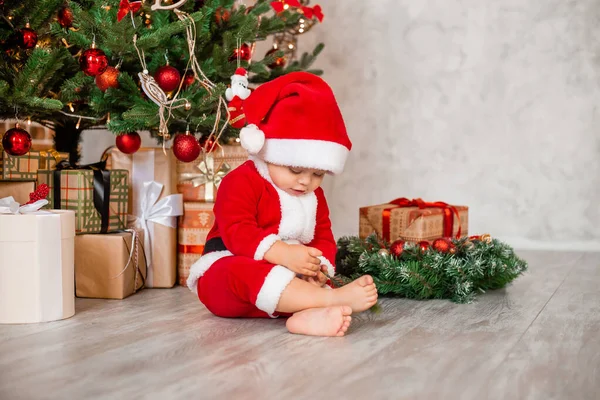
x: 162, y: 212
x: 8, y: 205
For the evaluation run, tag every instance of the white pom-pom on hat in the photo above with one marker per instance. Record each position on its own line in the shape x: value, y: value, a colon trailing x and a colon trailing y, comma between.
x: 252, y: 138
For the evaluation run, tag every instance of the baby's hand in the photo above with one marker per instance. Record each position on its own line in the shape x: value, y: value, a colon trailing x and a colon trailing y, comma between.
x: 303, y: 260
x: 320, y: 280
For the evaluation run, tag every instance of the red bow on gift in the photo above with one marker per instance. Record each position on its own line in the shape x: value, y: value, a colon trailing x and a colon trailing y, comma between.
x: 313, y: 12
x: 126, y: 7
x: 448, y: 210
x: 279, y: 6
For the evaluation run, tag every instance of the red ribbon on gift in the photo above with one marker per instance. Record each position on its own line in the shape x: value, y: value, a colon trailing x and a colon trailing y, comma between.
x: 191, y: 248
x: 126, y: 6
x: 448, y: 210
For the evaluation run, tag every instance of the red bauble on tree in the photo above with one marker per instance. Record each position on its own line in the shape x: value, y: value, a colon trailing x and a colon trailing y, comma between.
x: 397, y: 248
x: 279, y: 61
x: 27, y: 37
x: 65, y: 17
x: 167, y: 78
x: 188, y: 79
x: 222, y: 15
x: 244, y: 52
x: 93, y: 61
x: 186, y: 148
x: 208, y: 143
x: 108, y: 79
x: 16, y: 141
x: 129, y: 143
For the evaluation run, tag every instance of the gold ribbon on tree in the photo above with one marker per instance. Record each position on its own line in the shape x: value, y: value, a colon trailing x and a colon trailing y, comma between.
x: 208, y: 176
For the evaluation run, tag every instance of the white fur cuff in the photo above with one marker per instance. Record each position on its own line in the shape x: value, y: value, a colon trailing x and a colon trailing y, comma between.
x: 265, y: 245
x: 202, y: 265
x: 270, y: 292
x: 330, y: 268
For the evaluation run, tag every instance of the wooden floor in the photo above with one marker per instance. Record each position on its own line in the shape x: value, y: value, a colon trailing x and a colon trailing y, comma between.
x: 537, y: 339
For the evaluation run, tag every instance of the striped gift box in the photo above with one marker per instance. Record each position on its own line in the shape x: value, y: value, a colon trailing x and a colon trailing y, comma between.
x: 194, y: 225
x: 25, y: 167
x: 77, y: 194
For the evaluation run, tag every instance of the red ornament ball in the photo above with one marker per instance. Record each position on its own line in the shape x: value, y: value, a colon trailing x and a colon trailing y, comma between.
x: 188, y: 79
x: 16, y: 141
x: 65, y: 17
x: 129, y: 143
x: 108, y: 79
x: 167, y: 78
x: 222, y: 15
x: 245, y: 53
x: 208, y: 144
x: 424, y: 245
x: 28, y: 38
x: 93, y: 62
x: 397, y: 248
x: 279, y: 61
x: 442, y: 245
x: 186, y: 148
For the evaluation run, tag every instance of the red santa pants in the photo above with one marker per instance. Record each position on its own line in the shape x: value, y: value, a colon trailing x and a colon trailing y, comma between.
x: 237, y: 286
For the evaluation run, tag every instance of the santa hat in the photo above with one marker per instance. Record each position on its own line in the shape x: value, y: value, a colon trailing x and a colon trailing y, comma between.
x: 241, y: 72
x: 295, y: 121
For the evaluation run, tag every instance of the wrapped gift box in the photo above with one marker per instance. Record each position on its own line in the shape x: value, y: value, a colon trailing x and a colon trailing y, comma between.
x: 199, y: 180
x: 89, y: 201
x: 403, y: 219
x: 36, y: 267
x: 194, y: 226
x: 25, y: 167
x: 160, y: 241
x: 109, y: 266
x: 19, y: 190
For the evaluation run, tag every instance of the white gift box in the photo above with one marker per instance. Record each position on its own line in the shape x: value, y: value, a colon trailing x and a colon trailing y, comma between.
x: 37, y: 275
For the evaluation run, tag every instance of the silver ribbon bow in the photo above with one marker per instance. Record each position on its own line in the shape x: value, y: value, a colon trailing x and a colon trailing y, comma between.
x: 8, y: 205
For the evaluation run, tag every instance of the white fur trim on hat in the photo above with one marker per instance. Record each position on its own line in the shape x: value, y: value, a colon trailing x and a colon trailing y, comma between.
x: 252, y: 138
x: 306, y: 153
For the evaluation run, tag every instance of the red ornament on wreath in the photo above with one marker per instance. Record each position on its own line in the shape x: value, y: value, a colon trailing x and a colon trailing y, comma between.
x: 397, y: 248
x: 93, y: 62
x: 442, y: 245
x: 27, y: 37
x: 65, y: 17
x: 244, y: 52
x: 186, y: 148
x: 129, y: 143
x: 167, y: 78
x: 16, y: 141
x: 108, y: 79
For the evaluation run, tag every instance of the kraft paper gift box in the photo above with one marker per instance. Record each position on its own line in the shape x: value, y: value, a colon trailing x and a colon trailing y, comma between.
x: 98, y: 197
x: 194, y: 226
x: 109, y: 266
x: 154, y: 207
x: 200, y: 179
x: 36, y: 265
x: 413, y: 220
x: 25, y: 167
x: 19, y: 190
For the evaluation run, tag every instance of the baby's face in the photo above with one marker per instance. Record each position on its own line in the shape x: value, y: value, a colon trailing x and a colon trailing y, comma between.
x: 296, y: 181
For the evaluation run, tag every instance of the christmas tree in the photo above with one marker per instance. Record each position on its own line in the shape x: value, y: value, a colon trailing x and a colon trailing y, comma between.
x: 161, y: 66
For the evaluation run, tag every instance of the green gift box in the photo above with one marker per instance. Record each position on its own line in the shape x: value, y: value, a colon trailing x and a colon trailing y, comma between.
x: 25, y: 167
x: 98, y: 197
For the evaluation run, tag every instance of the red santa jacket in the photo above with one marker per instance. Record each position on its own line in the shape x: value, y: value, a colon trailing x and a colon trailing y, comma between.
x: 251, y: 214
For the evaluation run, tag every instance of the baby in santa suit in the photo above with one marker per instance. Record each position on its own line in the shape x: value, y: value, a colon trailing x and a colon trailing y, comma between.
x: 271, y: 241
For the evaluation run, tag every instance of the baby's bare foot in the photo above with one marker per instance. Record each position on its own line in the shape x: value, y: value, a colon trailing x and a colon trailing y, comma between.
x: 328, y: 321
x: 360, y: 295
